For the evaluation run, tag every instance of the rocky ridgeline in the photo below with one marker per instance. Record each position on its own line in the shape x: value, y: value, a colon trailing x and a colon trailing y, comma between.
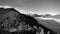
x: 13, y: 22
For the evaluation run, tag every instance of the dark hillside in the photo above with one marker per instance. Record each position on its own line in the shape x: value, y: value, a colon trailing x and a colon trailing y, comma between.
x: 23, y: 24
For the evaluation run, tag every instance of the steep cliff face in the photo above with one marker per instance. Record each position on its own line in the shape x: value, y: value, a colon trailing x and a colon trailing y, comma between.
x: 13, y: 21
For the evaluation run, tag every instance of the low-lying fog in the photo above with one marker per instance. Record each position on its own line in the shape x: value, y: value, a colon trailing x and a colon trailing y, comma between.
x: 57, y: 20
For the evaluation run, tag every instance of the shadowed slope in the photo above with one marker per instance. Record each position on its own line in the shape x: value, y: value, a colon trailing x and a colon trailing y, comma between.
x: 50, y: 24
x: 12, y: 19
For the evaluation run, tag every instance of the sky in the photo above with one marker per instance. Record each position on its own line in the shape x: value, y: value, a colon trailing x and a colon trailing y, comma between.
x: 35, y: 6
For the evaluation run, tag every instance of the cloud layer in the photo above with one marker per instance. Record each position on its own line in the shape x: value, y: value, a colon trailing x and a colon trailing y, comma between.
x: 37, y: 6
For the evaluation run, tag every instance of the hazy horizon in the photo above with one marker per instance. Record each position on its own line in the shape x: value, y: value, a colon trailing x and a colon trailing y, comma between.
x: 35, y: 6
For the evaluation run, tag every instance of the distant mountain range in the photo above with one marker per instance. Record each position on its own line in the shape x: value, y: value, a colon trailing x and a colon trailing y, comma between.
x: 57, y: 16
x: 37, y: 15
x: 47, y: 16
